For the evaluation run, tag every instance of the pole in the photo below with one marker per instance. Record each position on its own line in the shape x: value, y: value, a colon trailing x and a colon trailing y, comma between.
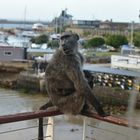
x: 139, y: 16
x: 40, y: 129
x: 132, y: 32
x: 25, y: 10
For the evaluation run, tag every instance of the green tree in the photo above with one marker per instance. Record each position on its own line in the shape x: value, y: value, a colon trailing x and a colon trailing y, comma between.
x: 53, y: 44
x: 96, y: 42
x: 40, y: 39
x: 116, y: 40
x: 137, y: 39
x: 32, y: 39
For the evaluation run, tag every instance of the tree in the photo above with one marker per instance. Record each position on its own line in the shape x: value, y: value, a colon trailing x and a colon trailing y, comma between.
x: 116, y: 40
x: 53, y: 44
x: 96, y: 42
x: 40, y: 39
x: 137, y: 39
x: 32, y: 39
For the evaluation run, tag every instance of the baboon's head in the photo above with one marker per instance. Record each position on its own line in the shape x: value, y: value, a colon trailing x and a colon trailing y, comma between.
x: 68, y: 43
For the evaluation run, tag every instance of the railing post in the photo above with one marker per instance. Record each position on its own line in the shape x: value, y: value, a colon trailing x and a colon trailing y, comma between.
x: 50, y: 129
x: 40, y: 129
x: 84, y: 128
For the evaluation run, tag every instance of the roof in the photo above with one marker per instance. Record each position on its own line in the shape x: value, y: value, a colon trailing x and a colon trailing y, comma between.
x: 102, y: 69
x: 4, y: 44
x: 126, y: 47
x: 40, y: 50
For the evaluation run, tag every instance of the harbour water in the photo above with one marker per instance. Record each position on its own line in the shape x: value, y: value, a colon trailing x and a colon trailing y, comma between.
x: 12, y: 102
x: 9, y: 26
x: 66, y: 128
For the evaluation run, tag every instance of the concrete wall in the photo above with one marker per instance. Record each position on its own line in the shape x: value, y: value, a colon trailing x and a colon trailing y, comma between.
x: 31, y: 82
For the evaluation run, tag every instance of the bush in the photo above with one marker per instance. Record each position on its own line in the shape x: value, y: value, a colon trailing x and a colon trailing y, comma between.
x: 137, y: 39
x: 40, y: 39
x: 95, y: 42
x: 53, y: 44
x: 116, y: 40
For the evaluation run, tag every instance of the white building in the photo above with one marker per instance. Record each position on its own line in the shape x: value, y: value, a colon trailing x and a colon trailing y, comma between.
x: 126, y: 62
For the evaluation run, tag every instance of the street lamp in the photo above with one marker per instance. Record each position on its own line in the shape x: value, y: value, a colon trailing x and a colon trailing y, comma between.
x: 132, y: 32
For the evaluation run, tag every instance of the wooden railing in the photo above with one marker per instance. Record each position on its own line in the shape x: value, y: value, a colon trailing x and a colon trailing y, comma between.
x: 39, y: 114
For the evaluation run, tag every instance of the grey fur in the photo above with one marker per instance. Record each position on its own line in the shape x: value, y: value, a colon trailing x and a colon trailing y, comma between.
x: 64, y: 74
x: 65, y: 81
x: 66, y: 84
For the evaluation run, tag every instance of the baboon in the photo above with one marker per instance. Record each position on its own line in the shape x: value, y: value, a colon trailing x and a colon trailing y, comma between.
x: 42, y: 66
x: 66, y: 83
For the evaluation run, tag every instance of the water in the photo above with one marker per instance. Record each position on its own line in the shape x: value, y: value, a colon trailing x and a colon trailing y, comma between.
x: 66, y: 128
x: 12, y: 102
x: 7, y: 26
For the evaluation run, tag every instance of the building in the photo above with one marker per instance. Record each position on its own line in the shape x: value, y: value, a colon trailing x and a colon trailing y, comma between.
x: 126, y: 62
x: 32, y: 53
x: 10, y: 53
x: 114, y: 25
x: 98, y: 27
x: 86, y: 23
x: 127, y: 50
x: 63, y: 20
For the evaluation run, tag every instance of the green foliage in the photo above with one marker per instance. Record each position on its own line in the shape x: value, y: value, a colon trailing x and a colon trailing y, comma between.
x: 116, y: 40
x: 53, y: 44
x: 137, y: 39
x: 86, y: 33
x: 96, y: 42
x: 85, y: 45
x: 32, y: 40
x: 62, y: 29
x: 40, y: 39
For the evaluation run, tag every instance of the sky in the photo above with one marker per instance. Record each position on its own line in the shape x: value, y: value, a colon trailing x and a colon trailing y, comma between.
x: 46, y: 10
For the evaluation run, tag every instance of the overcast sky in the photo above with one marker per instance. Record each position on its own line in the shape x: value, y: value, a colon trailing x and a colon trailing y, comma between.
x: 117, y: 10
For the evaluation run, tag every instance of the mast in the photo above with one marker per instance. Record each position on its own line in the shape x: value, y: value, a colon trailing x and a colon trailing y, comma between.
x: 25, y: 11
x: 132, y: 32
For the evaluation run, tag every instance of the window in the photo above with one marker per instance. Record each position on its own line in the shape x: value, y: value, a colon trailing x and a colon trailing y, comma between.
x: 8, y: 53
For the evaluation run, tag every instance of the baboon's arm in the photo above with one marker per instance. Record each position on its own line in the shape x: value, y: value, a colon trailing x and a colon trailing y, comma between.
x: 75, y: 74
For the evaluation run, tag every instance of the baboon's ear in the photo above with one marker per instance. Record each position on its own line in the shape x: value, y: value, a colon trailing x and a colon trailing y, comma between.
x: 76, y: 36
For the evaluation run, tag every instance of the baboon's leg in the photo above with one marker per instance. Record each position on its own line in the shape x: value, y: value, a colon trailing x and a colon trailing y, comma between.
x: 45, y: 106
x: 90, y: 98
x: 89, y: 78
x: 40, y: 128
x: 96, y: 104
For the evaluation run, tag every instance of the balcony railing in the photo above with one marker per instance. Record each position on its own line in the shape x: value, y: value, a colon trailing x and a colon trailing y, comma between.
x: 39, y: 114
